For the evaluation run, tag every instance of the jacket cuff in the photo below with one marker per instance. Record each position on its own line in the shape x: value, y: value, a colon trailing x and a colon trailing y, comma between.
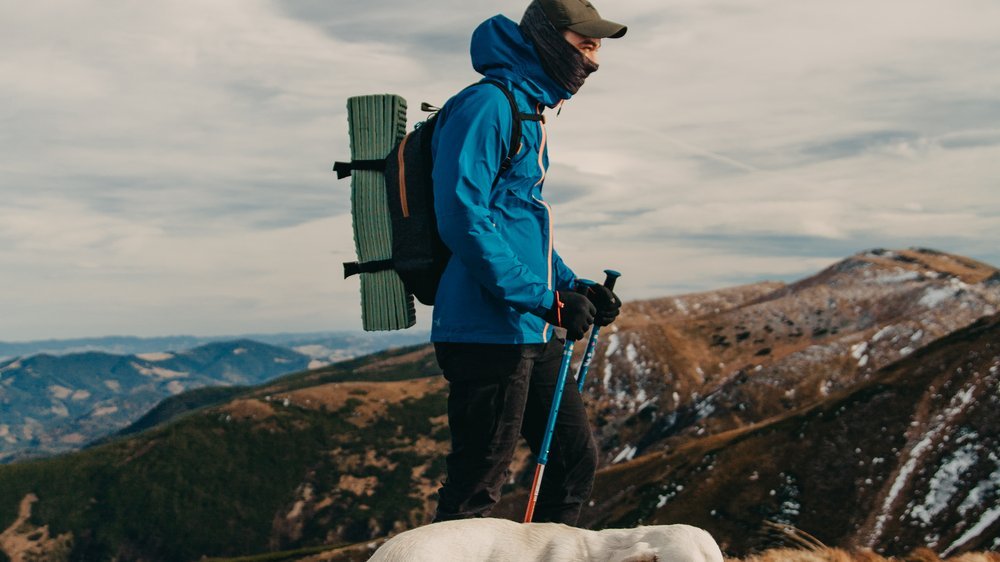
x: 548, y: 299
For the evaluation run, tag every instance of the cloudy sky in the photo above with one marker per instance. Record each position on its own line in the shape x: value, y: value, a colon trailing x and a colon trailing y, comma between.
x: 165, y: 166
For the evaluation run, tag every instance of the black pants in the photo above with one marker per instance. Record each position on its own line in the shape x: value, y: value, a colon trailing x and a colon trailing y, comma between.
x: 498, y: 393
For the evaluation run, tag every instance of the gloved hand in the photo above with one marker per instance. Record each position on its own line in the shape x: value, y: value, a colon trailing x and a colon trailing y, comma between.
x: 572, y: 311
x: 607, y: 302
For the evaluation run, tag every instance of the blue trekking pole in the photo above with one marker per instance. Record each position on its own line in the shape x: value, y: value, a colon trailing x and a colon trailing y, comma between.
x: 609, y: 282
x: 543, y: 455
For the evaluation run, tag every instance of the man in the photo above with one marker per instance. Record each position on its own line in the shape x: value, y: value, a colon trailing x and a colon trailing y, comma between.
x: 505, y: 286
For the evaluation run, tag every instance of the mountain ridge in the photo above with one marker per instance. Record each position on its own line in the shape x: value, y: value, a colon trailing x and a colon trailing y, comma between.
x: 696, y: 502
x: 58, y: 403
x: 361, y: 342
x: 354, y: 451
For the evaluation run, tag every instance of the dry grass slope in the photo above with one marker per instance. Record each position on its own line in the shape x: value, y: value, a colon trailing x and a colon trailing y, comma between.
x: 839, y: 555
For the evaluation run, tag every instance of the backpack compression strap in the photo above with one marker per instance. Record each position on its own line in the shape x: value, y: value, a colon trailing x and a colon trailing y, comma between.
x: 343, y: 169
x: 355, y: 268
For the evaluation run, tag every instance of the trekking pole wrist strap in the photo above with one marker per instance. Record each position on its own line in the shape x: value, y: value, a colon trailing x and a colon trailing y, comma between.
x: 559, y: 306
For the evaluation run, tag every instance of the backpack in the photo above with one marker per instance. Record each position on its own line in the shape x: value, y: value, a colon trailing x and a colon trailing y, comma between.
x: 419, y: 255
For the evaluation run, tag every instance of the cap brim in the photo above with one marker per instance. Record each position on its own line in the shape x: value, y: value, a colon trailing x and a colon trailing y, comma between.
x: 600, y: 29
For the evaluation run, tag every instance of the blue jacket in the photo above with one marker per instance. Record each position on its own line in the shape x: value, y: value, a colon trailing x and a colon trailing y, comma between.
x: 504, y: 269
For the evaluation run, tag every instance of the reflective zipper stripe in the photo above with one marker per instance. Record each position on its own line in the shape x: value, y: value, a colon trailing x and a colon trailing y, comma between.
x: 548, y: 209
x: 541, y: 149
x: 548, y: 212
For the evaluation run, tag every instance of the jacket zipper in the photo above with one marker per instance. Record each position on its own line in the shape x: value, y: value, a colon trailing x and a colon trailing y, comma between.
x: 548, y: 212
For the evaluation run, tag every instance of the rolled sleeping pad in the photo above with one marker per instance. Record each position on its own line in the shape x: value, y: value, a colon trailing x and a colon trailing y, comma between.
x: 376, y: 124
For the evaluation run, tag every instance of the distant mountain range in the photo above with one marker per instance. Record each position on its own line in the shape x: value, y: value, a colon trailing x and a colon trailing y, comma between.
x: 57, y: 403
x: 859, y: 405
x: 331, y: 346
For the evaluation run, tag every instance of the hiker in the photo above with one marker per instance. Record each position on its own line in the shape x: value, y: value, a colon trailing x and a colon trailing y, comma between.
x: 505, y: 286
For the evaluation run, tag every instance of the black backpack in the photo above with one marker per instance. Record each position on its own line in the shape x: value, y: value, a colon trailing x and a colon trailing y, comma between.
x: 418, y: 254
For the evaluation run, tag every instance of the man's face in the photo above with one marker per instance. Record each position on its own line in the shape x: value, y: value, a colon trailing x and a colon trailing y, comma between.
x: 589, y: 46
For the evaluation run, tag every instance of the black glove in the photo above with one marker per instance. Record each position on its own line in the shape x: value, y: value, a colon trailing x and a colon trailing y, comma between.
x: 607, y: 302
x: 572, y: 311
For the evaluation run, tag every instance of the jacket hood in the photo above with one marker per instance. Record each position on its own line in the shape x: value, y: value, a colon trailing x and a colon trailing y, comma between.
x: 500, y: 50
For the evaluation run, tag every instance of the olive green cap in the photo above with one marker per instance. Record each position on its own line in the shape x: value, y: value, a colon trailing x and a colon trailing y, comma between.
x: 580, y: 16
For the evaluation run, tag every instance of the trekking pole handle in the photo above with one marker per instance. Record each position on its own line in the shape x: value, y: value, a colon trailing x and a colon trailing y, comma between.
x: 611, y: 279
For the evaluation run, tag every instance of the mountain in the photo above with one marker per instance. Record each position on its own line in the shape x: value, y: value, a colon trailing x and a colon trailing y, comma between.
x: 53, y: 404
x: 856, y: 404
x: 909, y: 458
x: 321, y: 456
x: 700, y: 364
x: 325, y: 346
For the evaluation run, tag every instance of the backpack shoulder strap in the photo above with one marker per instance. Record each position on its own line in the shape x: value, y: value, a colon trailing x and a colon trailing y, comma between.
x: 515, y: 133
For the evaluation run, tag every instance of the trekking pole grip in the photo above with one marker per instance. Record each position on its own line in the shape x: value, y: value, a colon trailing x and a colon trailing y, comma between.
x: 611, y: 279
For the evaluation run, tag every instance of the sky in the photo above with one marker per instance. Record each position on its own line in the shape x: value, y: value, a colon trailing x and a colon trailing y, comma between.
x: 165, y: 166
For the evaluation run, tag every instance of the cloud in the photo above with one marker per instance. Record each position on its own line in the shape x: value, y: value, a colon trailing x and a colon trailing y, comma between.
x: 165, y: 167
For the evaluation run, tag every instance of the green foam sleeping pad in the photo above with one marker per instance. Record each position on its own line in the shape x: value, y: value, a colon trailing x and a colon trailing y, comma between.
x: 377, y: 123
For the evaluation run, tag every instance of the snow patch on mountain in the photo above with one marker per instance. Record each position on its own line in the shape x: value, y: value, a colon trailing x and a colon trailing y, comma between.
x: 955, y: 406
x: 631, y: 354
x: 60, y: 392
x: 614, y: 341
x: 825, y: 387
x: 104, y: 411
x: 991, y: 516
x: 899, y: 276
x: 984, y: 489
x: 154, y: 357
x: 945, y: 483
x: 11, y: 367
x: 671, y: 491
x: 159, y: 372
x: 626, y: 454
x: 934, y: 296
x: 858, y: 351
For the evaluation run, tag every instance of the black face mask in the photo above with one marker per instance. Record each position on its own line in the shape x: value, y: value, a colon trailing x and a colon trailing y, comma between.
x: 563, y: 62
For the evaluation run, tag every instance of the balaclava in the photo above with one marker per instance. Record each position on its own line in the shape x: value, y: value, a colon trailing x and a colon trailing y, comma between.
x: 563, y: 62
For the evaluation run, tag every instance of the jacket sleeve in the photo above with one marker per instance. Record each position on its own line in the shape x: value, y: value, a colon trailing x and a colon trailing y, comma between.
x: 564, y: 276
x: 470, y: 143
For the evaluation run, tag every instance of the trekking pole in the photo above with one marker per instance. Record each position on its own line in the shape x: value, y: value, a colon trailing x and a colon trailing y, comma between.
x: 609, y: 282
x: 543, y: 455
